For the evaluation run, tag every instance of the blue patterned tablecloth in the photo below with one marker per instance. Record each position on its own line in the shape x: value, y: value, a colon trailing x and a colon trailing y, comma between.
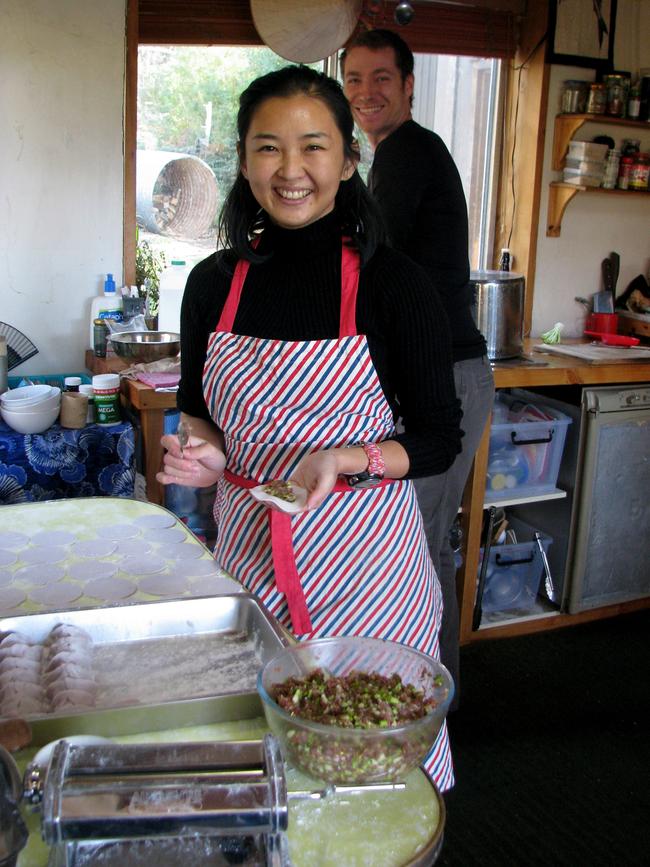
x: 97, y: 460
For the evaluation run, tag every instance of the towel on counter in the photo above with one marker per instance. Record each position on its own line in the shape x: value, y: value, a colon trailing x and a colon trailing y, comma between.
x: 159, y: 380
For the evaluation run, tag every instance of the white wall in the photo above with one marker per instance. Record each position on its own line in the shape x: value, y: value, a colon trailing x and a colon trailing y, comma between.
x: 595, y: 224
x: 61, y: 92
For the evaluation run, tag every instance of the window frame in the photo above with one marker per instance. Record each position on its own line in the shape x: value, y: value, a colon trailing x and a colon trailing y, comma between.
x: 525, y: 77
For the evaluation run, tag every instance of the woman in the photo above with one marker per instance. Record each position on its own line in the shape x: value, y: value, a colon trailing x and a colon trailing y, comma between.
x: 300, y: 343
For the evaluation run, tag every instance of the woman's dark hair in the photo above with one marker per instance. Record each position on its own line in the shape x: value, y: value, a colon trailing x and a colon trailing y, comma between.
x: 241, y: 215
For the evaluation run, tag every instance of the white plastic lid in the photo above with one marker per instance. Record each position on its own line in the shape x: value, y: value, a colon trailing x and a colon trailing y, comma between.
x: 86, y: 388
x: 72, y: 380
x: 106, y: 381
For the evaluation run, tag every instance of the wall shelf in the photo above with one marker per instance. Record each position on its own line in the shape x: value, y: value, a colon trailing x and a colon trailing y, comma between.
x: 567, y: 125
x: 560, y: 194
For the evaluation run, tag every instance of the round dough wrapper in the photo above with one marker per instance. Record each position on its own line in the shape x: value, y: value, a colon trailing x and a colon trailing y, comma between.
x: 86, y: 570
x: 110, y: 589
x: 165, y: 535
x: 159, y: 520
x: 133, y: 547
x: 43, y: 554
x: 142, y: 565
x: 195, y: 568
x: 181, y: 552
x: 55, y: 594
x: 6, y: 577
x: 9, y: 539
x: 163, y: 585
x: 7, y: 557
x: 53, y: 537
x: 11, y: 597
x: 40, y: 574
x: 213, y: 586
x: 94, y: 548
x: 118, y: 531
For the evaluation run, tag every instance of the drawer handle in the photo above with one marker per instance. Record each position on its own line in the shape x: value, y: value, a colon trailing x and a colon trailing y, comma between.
x: 516, y: 442
x: 504, y: 561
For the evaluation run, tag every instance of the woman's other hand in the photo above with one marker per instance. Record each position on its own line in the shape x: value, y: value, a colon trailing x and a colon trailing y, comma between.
x: 199, y: 465
x: 317, y: 473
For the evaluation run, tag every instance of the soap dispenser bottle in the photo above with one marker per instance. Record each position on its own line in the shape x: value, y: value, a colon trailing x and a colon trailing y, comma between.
x: 106, y: 306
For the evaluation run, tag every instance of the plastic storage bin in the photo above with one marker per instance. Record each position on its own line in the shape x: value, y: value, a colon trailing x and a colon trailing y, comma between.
x: 514, y: 571
x: 526, y: 445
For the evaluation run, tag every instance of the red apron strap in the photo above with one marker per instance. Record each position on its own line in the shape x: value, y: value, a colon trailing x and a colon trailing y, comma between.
x: 287, y: 579
x: 227, y: 318
x: 349, y: 287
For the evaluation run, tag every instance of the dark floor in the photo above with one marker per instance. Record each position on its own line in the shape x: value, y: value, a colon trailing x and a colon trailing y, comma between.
x: 551, y: 747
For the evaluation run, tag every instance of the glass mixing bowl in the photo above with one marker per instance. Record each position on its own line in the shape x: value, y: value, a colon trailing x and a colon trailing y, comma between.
x: 336, y: 754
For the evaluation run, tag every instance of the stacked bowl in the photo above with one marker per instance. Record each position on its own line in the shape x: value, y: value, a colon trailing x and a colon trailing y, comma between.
x: 30, y: 409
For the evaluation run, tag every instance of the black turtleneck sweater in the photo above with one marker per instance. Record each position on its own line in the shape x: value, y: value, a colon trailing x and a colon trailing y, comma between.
x: 296, y: 295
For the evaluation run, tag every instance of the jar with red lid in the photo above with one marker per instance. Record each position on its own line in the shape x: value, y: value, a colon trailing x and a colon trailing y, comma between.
x: 640, y: 172
x: 624, y: 172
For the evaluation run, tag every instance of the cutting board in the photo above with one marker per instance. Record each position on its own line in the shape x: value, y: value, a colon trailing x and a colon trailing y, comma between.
x: 596, y: 353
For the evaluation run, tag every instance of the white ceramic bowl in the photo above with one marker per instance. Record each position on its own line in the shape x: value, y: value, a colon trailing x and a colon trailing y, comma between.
x: 41, y: 405
x: 33, y: 422
x: 26, y: 394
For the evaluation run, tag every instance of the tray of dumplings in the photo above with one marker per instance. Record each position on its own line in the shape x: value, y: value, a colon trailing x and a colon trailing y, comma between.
x: 133, y: 668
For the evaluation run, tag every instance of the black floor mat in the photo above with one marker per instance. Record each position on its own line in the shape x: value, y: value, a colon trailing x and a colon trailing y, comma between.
x: 551, y: 748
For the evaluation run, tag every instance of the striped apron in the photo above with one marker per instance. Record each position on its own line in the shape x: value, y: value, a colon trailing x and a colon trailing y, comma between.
x: 362, y: 557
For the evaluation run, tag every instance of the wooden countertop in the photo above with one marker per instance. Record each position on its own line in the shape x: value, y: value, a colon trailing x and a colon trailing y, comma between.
x: 566, y: 370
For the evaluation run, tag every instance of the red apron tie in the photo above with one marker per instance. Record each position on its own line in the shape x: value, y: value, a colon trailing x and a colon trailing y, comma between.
x: 287, y: 579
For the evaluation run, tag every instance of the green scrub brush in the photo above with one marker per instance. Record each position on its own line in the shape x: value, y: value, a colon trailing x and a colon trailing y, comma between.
x: 554, y: 335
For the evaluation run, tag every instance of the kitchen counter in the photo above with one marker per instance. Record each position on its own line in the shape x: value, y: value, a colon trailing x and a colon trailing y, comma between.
x: 557, y: 371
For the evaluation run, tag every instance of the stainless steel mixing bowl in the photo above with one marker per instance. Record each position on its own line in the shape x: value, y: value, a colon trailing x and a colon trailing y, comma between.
x: 146, y: 346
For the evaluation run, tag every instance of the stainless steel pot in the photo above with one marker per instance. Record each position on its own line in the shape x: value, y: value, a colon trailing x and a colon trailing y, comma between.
x: 499, y: 311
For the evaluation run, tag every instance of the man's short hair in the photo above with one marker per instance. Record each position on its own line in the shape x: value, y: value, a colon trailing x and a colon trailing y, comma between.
x: 376, y: 39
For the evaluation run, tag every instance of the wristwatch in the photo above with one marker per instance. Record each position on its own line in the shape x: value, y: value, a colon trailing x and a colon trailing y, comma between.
x: 374, y: 472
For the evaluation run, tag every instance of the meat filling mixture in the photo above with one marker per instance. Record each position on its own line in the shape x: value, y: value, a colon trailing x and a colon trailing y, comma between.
x: 281, y: 490
x: 361, y: 700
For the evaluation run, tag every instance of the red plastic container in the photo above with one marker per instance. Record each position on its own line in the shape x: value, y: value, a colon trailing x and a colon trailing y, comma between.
x: 602, y: 323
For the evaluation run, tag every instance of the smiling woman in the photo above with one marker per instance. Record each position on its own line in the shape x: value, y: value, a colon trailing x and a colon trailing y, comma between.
x: 293, y: 158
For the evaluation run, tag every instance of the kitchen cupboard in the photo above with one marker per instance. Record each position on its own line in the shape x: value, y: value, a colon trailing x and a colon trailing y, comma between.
x: 557, y: 371
x: 560, y: 194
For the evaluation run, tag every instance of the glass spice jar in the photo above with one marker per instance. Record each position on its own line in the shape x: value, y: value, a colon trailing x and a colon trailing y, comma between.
x: 640, y: 172
x: 624, y: 172
x: 616, y: 95
x: 574, y: 96
x: 597, y: 99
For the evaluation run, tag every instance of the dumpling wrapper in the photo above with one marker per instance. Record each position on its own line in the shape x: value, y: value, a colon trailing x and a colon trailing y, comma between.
x: 263, y: 496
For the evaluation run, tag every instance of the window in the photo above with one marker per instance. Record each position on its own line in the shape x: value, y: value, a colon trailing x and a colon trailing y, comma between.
x: 186, y: 141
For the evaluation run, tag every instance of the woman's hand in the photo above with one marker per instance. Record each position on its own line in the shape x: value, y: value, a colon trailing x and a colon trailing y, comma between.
x: 317, y: 473
x: 199, y: 465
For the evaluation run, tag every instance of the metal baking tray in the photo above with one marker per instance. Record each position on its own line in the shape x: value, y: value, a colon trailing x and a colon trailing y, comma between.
x: 220, y: 618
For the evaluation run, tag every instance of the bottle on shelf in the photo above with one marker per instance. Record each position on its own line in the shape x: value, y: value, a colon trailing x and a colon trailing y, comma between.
x: 505, y: 261
x: 106, y: 306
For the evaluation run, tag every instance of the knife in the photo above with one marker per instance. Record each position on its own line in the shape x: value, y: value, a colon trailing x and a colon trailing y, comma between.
x: 615, y: 259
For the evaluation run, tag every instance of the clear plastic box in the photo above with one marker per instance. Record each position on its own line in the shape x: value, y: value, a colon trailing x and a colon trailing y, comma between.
x: 514, y: 571
x: 525, y: 450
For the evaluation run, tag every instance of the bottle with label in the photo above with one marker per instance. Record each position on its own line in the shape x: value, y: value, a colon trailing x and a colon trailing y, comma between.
x: 172, y: 286
x: 87, y: 389
x: 71, y: 383
x: 505, y: 260
x: 634, y: 101
x: 106, y: 306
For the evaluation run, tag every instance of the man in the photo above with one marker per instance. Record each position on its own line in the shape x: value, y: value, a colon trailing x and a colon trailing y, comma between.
x: 416, y: 183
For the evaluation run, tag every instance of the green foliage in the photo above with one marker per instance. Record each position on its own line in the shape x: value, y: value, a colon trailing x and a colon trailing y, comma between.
x: 149, y: 265
x: 175, y: 86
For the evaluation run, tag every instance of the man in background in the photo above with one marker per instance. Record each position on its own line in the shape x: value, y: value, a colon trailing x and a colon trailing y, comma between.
x: 416, y: 183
